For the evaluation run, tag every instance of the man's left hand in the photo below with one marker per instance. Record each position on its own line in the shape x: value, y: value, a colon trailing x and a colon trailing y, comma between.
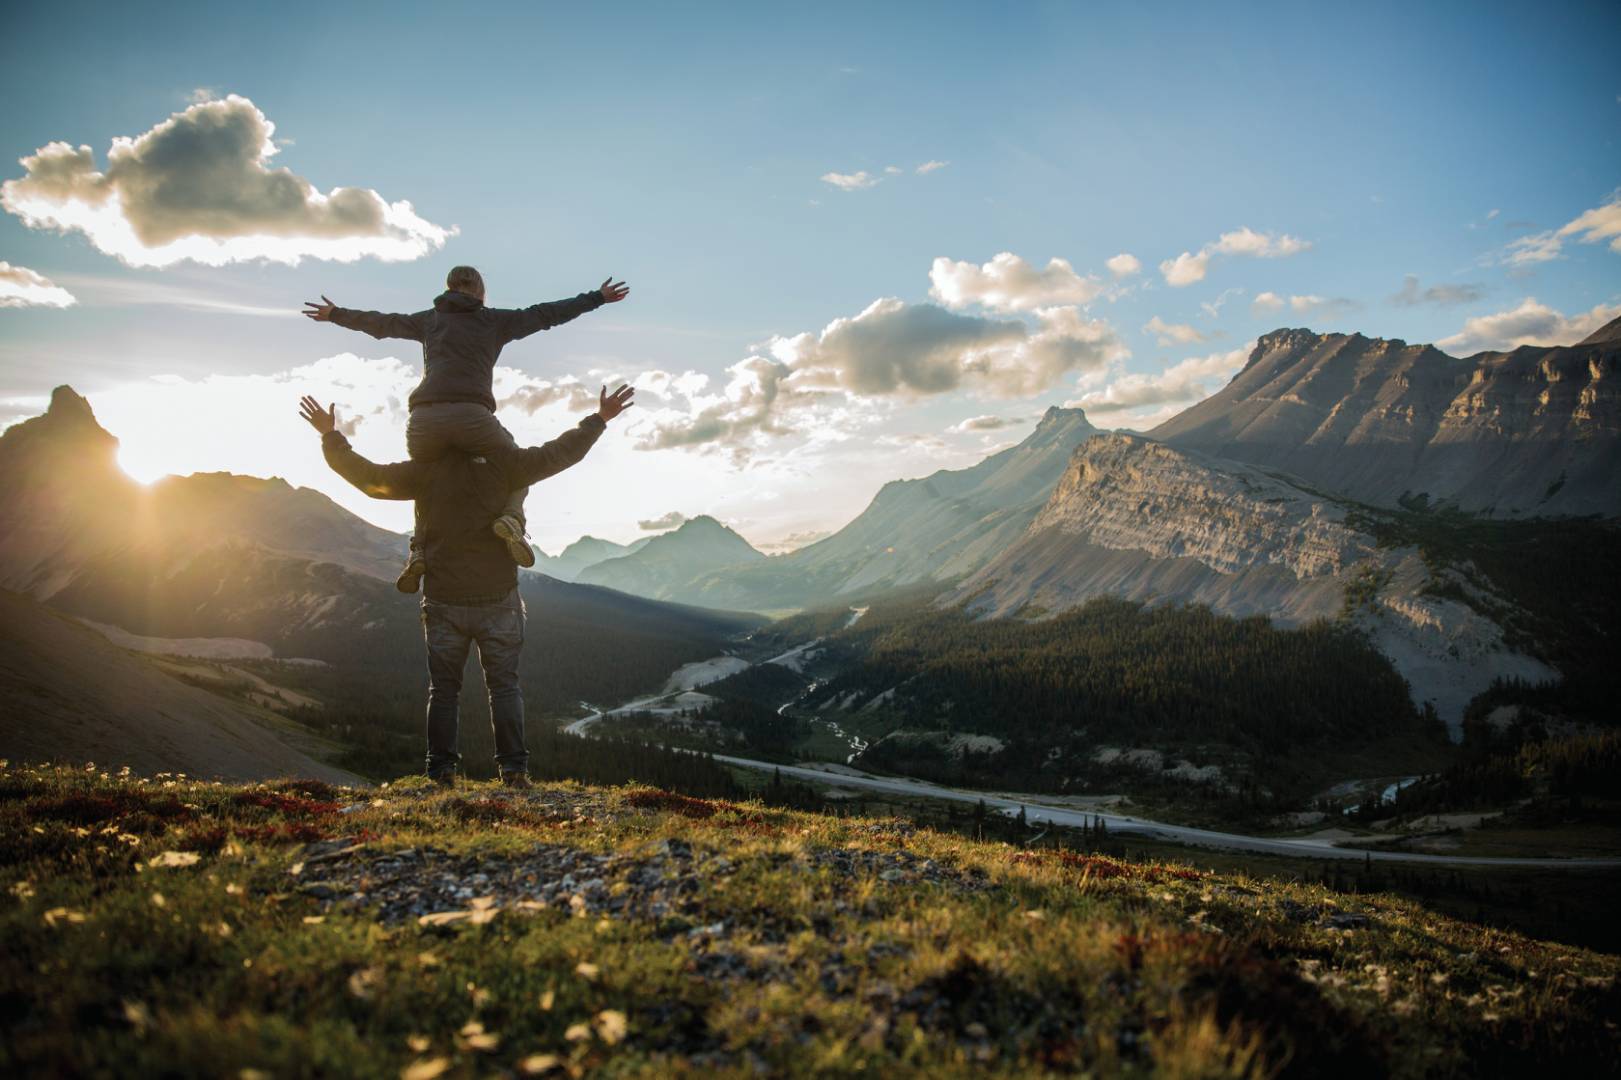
x: 612, y: 291
x: 611, y: 405
x: 323, y: 420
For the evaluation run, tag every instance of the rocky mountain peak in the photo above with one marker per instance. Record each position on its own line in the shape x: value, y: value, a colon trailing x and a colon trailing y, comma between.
x: 67, y: 430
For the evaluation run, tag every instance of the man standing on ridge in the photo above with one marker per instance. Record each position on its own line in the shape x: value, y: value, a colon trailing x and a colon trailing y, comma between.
x: 453, y: 407
x: 471, y: 593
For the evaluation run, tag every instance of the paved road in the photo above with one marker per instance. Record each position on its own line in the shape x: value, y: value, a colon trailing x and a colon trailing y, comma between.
x: 1037, y: 812
x: 1121, y: 824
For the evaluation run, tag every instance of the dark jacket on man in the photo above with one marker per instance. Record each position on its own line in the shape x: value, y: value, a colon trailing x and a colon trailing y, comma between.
x: 461, y: 339
x: 458, y: 495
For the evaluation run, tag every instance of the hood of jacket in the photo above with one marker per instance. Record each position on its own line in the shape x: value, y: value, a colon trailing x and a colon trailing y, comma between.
x: 457, y: 302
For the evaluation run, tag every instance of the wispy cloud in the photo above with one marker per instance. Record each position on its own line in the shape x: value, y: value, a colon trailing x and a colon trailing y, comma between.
x: 1190, y: 267
x: 1411, y: 295
x: 1183, y: 383
x: 989, y: 422
x: 22, y: 287
x: 1172, y: 333
x: 101, y: 290
x: 930, y: 166
x: 664, y: 522
x: 1301, y: 304
x: 199, y: 186
x: 855, y: 181
x: 1603, y: 222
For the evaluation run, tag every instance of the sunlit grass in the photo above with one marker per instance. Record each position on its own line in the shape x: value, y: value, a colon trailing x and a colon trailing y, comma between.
x: 169, y: 925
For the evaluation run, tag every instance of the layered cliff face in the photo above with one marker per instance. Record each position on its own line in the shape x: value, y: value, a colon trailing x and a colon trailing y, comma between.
x: 1135, y: 518
x: 1533, y: 432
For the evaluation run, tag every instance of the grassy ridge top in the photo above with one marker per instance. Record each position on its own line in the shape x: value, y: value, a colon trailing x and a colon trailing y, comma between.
x: 190, y: 928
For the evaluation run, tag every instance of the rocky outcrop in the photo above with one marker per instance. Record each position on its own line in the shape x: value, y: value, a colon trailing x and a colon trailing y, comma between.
x: 1533, y: 432
x: 1135, y: 518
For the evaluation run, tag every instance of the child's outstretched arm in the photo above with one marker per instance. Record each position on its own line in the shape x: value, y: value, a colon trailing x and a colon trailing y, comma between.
x: 522, y: 322
x: 399, y: 480
x: 376, y: 323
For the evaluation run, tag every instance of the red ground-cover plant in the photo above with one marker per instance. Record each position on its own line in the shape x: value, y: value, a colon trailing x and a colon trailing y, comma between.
x: 212, y: 838
x: 86, y: 808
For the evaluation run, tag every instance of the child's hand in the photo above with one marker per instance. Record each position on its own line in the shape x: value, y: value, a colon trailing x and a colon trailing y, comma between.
x: 323, y: 420
x: 612, y: 291
x: 611, y: 405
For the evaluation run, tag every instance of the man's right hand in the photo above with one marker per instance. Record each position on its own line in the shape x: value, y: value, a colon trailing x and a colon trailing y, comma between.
x: 321, y: 312
x: 611, y: 405
x: 323, y: 420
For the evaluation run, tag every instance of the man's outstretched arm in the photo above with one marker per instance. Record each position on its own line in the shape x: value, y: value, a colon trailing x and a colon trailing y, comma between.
x: 378, y: 324
x: 525, y: 321
x: 532, y: 463
x: 399, y: 480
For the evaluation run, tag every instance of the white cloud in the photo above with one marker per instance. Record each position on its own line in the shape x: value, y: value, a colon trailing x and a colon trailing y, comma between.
x: 1189, y: 267
x: 1530, y: 323
x: 893, y: 170
x: 1184, y: 383
x: 1186, y: 269
x: 199, y: 186
x: 1246, y: 241
x: 822, y: 385
x: 1603, y: 222
x: 1301, y: 304
x: 1124, y: 264
x: 22, y: 287
x: 1008, y: 283
x: 1172, y: 333
x: 851, y: 181
x: 930, y: 166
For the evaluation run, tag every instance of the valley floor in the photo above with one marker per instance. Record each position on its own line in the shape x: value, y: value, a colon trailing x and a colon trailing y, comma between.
x: 184, y: 928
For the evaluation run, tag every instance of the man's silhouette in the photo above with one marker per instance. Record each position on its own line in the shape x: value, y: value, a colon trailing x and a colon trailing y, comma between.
x: 470, y: 590
x: 453, y: 407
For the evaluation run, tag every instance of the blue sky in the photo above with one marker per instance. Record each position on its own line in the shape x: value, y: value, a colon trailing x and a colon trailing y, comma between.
x: 685, y: 150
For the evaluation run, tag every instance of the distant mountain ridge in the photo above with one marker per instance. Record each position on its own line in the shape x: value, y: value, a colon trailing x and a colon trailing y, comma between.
x: 660, y: 567
x: 584, y: 552
x: 1532, y: 432
x: 944, y: 525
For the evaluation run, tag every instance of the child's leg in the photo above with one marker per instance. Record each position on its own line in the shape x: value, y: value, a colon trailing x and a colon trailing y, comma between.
x: 484, y: 433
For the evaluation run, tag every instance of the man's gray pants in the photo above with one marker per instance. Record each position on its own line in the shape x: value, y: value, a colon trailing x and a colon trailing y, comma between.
x: 461, y: 425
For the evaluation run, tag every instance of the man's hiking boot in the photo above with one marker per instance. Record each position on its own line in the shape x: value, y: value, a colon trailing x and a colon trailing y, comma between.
x: 510, y: 529
x: 516, y: 780
x: 444, y: 779
x: 410, y: 579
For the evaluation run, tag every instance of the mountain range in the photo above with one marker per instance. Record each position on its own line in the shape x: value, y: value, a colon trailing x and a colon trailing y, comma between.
x: 248, y: 568
x: 1277, y: 496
